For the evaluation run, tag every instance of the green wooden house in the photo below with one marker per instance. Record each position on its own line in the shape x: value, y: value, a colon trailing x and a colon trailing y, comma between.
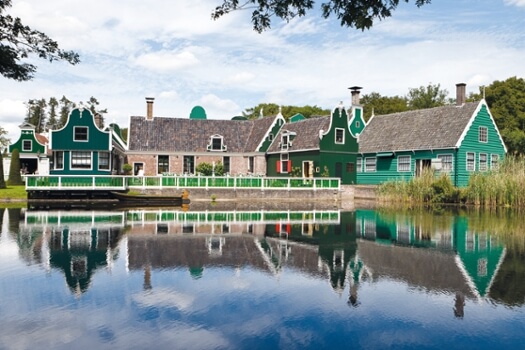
x: 82, y: 148
x: 455, y: 139
x: 315, y: 147
x: 32, y: 148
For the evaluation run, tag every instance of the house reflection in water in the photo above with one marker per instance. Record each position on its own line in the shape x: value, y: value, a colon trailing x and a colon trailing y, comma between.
x: 443, y: 254
x: 77, y: 243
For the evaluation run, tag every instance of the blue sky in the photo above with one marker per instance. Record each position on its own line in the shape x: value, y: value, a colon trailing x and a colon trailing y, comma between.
x: 173, y: 51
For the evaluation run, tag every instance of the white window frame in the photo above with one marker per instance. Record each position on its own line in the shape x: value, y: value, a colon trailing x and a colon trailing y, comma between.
x: 370, y: 164
x: 24, y: 148
x: 75, y: 133
x: 483, y: 134
x: 494, y: 161
x: 221, y: 147
x: 357, y: 124
x: 445, y: 165
x: 483, y: 166
x: 342, y: 131
x: 72, y: 157
x: 470, y: 164
x: 359, y: 164
x: 284, y: 158
x: 285, y: 139
x: 401, y: 166
x: 100, y: 167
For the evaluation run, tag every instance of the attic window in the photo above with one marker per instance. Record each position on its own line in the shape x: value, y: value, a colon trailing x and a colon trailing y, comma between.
x: 216, y: 143
x: 483, y: 134
x: 339, y: 136
x: 357, y: 124
x: 26, y: 145
x: 284, y: 141
x: 270, y: 137
x: 80, y: 133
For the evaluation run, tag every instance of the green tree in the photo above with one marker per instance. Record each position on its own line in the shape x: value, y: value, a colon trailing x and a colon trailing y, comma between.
x: 360, y: 14
x: 287, y: 111
x: 207, y: 169
x: 93, y: 107
x: 377, y: 104
x: 52, y: 122
x: 18, y: 42
x: 65, y: 108
x: 427, y: 97
x: 36, y: 114
x: 15, y: 178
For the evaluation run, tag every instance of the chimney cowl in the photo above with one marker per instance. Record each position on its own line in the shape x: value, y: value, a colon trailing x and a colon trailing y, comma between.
x: 355, y: 90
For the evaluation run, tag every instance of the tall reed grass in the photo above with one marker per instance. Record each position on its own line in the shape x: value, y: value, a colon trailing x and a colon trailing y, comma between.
x: 502, y: 187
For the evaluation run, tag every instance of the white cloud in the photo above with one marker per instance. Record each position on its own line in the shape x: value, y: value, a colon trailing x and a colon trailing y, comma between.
x: 167, y: 61
x: 519, y: 3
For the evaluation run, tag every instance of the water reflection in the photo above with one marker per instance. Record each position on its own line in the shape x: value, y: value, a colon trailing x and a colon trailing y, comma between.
x: 303, y: 278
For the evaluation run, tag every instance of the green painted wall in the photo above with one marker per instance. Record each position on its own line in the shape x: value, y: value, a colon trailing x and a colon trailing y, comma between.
x: 27, y: 134
x: 274, y: 132
x: 357, y: 123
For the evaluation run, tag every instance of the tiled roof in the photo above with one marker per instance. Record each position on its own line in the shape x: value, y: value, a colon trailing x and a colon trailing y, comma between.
x: 41, y: 138
x: 307, y: 134
x: 432, y: 128
x: 193, y: 135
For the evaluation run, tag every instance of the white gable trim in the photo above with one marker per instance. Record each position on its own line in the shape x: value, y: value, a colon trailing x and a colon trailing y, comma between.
x: 471, y: 121
x: 279, y: 116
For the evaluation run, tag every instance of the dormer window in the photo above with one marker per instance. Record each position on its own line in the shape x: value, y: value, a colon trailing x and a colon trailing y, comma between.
x: 80, y: 133
x: 284, y: 142
x: 339, y: 136
x: 216, y: 144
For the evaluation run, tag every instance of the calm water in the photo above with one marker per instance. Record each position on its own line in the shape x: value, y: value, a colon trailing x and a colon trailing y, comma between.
x: 259, y: 279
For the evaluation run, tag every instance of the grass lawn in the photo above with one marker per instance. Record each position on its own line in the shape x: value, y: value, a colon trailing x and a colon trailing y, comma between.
x: 13, y: 192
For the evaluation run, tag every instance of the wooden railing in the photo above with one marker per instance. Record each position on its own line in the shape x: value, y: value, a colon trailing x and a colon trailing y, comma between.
x: 113, y: 183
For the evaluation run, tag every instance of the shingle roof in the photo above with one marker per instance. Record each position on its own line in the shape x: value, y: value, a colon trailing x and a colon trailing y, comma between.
x: 432, y: 128
x: 193, y: 135
x: 307, y: 134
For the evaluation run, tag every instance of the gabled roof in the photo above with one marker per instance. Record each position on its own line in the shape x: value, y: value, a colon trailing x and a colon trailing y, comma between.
x: 306, y: 134
x: 193, y: 135
x: 432, y: 128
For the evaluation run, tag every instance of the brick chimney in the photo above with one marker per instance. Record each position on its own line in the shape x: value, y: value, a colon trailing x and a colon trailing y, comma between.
x: 149, y: 110
x: 98, y: 121
x: 355, y: 95
x: 461, y: 94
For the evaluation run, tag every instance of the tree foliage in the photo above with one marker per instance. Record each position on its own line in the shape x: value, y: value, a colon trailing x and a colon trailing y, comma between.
x: 287, y: 111
x: 18, y: 42
x: 15, y: 178
x: 427, y: 97
x: 4, y: 141
x: 374, y: 103
x: 360, y: 14
x: 53, y: 113
x: 208, y: 169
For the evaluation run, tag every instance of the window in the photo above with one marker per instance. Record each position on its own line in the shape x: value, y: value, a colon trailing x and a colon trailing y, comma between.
x: 80, y: 133
x: 188, y: 165
x: 251, y: 165
x: 339, y: 136
x: 357, y: 124
x: 216, y: 143
x: 163, y: 164
x: 446, y: 162
x: 270, y: 137
x: 483, y: 166
x: 58, y: 158
x: 471, y: 159
x: 494, y: 161
x: 403, y: 163
x: 226, y: 165
x: 283, y: 166
x: 483, y: 134
x: 80, y: 160
x: 103, y: 160
x: 359, y: 165
x: 27, y: 145
x: 284, y: 142
x: 370, y: 164
x: 350, y: 167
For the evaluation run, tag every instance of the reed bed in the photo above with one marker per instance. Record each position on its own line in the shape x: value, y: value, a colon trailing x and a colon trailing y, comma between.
x: 504, y: 187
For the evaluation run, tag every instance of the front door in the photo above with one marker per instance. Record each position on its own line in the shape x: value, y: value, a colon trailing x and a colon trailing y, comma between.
x: 421, y: 165
x: 339, y: 170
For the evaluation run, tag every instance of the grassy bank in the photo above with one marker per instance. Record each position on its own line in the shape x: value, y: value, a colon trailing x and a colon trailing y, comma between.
x: 12, y: 193
x: 504, y: 187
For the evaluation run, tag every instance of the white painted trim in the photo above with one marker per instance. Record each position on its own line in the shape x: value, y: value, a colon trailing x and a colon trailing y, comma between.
x: 279, y: 116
